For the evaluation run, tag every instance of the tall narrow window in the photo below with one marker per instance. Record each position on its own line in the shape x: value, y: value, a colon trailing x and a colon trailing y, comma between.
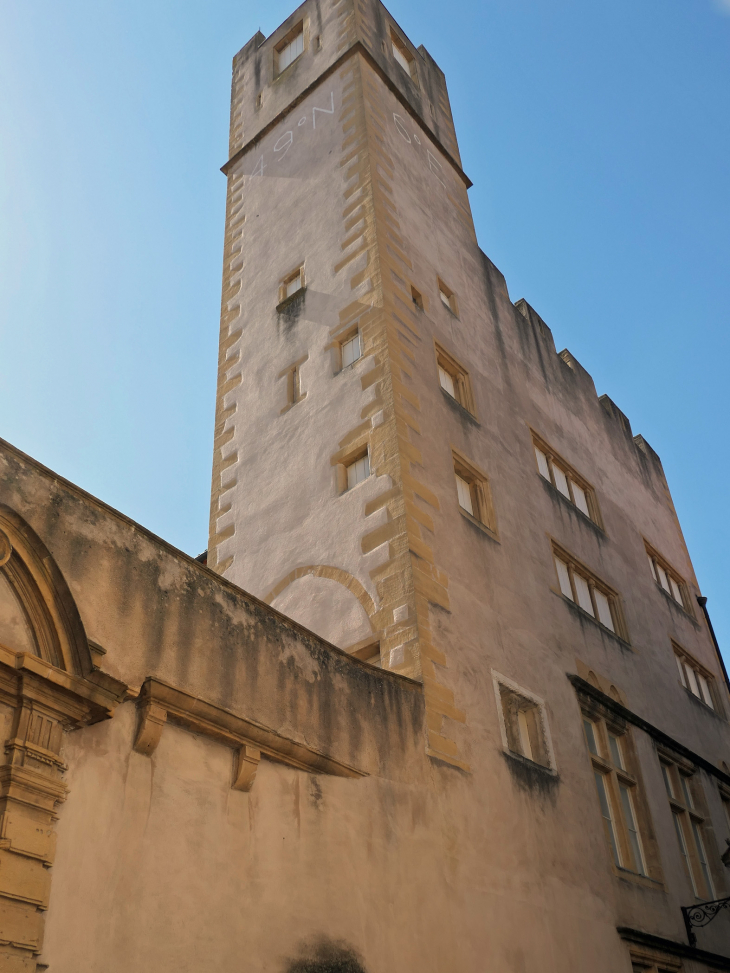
x: 289, y: 49
x: 291, y: 284
x: 358, y: 470
x: 473, y: 493
x: 686, y: 800
x: 294, y: 391
x: 587, y: 591
x: 351, y: 350
x: 566, y: 480
x: 617, y: 789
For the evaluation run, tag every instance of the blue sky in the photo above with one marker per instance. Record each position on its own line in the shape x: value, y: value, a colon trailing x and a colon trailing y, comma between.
x: 597, y: 136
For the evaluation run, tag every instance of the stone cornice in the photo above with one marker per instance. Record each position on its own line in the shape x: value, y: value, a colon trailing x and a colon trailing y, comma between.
x: 161, y: 703
x: 663, y: 739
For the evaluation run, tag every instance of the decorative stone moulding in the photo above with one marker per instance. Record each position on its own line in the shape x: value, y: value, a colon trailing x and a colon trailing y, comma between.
x: 160, y: 703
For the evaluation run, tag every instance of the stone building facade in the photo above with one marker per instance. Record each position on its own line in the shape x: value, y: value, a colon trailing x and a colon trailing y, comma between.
x: 444, y: 696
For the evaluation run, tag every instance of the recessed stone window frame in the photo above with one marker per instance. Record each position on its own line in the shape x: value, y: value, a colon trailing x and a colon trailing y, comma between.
x: 294, y: 393
x: 454, y: 379
x: 447, y: 297
x: 349, y: 348
x: 690, y: 816
x: 669, y: 581
x: 565, y: 479
x: 402, y: 55
x: 473, y: 483
x: 620, y: 795
x: 290, y: 47
x: 647, y: 960
x: 292, y: 285
x: 587, y: 593
x: 523, y: 723
x: 417, y: 298
x: 346, y: 459
x: 696, y: 679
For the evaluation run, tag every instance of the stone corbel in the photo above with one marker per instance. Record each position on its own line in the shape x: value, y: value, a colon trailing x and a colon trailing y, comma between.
x: 247, y: 763
x: 152, y: 719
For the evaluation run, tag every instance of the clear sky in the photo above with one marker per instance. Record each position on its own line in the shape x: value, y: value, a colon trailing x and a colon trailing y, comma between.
x: 597, y: 137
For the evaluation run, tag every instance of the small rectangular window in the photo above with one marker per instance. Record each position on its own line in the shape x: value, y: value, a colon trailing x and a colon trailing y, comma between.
x: 448, y: 298
x: 417, y: 298
x: 294, y: 391
x: 668, y: 579
x: 358, y: 470
x: 402, y: 55
x: 289, y: 49
x: 542, y: 463
x: 291, y: 284
x: 350, y: 350
x: 523, y: 721
x: 590, y: 593
x: 566, y: 480
x: 474, y: 495
x: 454, y: 379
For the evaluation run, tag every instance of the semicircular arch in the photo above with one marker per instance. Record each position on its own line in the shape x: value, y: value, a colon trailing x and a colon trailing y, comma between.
x: 35, y: 579
x: 344, y: 578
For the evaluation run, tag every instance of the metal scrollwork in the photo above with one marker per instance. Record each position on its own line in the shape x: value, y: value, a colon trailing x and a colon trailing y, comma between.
x: 701, y: 914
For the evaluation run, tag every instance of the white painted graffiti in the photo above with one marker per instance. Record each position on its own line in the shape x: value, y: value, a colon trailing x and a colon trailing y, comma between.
x: 431, y: 161
x: 286, y: 141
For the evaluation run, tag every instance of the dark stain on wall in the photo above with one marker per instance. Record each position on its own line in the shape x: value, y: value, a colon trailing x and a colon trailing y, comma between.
x: 325, y: 956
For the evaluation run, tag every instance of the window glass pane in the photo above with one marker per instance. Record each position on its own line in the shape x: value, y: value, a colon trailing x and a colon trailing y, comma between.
x: 583, y: 592
x: 652, y: 566
x: 350, y: 351
x: 447, y: 382
x: 633, y: 832
x: 401, y: 59
x: 667, y: 780
x: 604, y: 609
x: 663, y: 580
x: 524, y: 734
x: 676, y: 593
x: 590, y: 736
x: 358, y: 471
x: 705, y: 689
x: 564, y: 578
x: 686, y: 791
x: 560, y: 481
x: 614, y: 746
x: 606, y: 812
x: 692, y: 678
x: 579, y: 495
x: 445, y: 299
x: 683, y: 848
x: 709, y: 890
x: 293, y: 285
x: 680, y: 666
x: 464, y: 491
x: 542, y: 463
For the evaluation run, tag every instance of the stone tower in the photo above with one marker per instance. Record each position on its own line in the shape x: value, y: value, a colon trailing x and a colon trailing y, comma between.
x: 348, y: 237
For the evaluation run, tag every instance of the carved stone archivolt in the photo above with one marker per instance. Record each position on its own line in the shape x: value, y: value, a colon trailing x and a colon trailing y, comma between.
x: 53, y: 689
